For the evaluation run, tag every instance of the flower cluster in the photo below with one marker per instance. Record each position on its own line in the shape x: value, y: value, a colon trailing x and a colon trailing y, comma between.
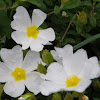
x: 70, y: 72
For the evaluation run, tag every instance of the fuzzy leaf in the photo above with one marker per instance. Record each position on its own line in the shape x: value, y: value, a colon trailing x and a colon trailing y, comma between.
x: 47, y: 57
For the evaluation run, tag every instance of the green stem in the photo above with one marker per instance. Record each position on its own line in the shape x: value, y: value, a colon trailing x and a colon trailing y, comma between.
x: 69, y: 25
x: 97, y: 36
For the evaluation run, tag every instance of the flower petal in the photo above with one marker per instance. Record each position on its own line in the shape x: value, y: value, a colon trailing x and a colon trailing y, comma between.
x: 38, y: 17
x: 12, y: 57
x: 21, y: 20
x: 14, y: 89
x: 31, y: 61
x: 33, y: 82
x: 91, y: 69
x: 49, y: 87
x: 56, y: 56
x: 85, y: 83
x: 55, y: 72
x: 21, y: 38
x: 60, y: 53
x: 73, y: 64
x: 5, y: 73
x: 47, y: 34
x: 36, y: 44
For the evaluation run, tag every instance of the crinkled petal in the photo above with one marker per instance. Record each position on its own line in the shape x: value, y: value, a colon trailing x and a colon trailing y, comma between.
x: 49, y: 87
x: 21, y: 38
x: 31, y: 61
x: 73, y: 64
x: 47, y: 34
x: 21, y: 20
x: 5, y: 73
x: 14, y: 89
x: 56, y: 56
x: 12, y: 57
x: 60, y: 53
x: 33, y: 82
x: 55, y: 72
x: 65, y: 51
x: 91, y: 69
x: 38, y: 17
x: 37, y: 44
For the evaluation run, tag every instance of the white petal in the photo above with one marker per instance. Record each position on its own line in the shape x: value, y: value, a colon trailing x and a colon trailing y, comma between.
x: 49, y: 87
x: 67, y: 50
x: 56, y: 56
x: 55, y: 72
x: 91, y: 69
x: 73, y: 64
x: 85, y: 83
x: 31, y: 61
x: 12, y: 57
x: 60, y: 53
x: 36, y: 45
x: 47, y: 34
x: 5, y: 73
x: 33, y: 82
x: 21, y: 20
x: 38, y: 17
x: 21, y: 38
x: 14, y: 89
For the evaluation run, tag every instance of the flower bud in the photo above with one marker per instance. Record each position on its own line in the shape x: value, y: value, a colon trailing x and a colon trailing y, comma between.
x: 82, y: 18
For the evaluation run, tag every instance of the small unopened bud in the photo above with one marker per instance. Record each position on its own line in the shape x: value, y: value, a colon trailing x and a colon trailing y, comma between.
x: 64, y: 14
x: 84, y: 97
x: 82, y: 18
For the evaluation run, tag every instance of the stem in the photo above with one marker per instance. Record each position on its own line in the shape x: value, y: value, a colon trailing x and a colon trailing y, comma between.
x: 50, y: 13
x: 91, y: 12
x: 6, y: 8
x: 69, y: 25
x: 92, y: 38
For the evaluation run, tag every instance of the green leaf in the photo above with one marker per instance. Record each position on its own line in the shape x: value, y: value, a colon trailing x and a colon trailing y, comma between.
x: 1, y: 90
x: 79, y: 26
x: 9, y: 2
x: 56, y: 10
x: 86, y: 3
x: 3, y: 5
x: 92, y: 20
x: 35, y: 2
x: 47, y: 57
x: 71, y: 4
x: 29, y: 96
x: 38, y: 3
x: 56, y: 96
x: 5, y: 29
x: 41, y: 69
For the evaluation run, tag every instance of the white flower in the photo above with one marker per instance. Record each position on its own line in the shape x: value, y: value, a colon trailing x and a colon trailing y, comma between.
x: 18, y: 73
x: 27, y: 33
x: 74, y: 74
x: 59, y: 53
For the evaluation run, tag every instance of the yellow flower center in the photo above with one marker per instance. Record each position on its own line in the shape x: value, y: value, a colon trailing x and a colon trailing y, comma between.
x: 32, y: 32
x: 19, y: 74
x: 72, y: 81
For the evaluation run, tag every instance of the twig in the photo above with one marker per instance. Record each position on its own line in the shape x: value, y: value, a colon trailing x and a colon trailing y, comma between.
x: 91, y: 12
x: 6, y: 8
x: 69, y: 25
x: 50, y: 13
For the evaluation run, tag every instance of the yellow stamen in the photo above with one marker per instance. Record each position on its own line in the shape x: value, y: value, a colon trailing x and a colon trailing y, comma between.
x: 72, y: 81
x: 32, y: 32
x: 19, y: 74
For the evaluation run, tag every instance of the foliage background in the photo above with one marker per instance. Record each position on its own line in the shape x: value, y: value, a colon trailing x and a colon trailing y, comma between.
x: 80, y: 27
